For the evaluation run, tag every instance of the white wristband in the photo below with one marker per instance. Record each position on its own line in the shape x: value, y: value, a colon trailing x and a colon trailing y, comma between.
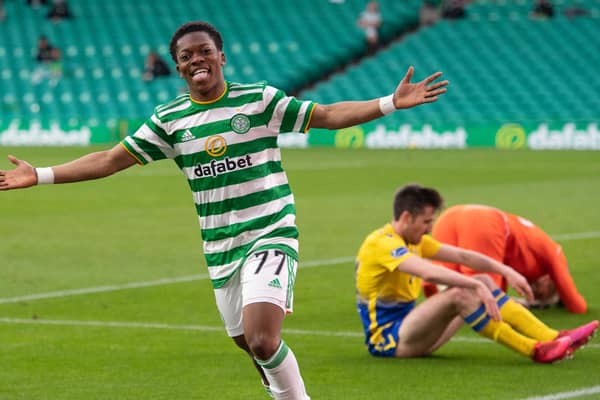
x: 386, y: 104
x: 45, y: 176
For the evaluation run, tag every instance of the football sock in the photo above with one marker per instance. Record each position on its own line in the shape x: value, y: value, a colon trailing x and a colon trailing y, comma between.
x: 500, y: 331
x: 284, y: 375
x: 523, y: 320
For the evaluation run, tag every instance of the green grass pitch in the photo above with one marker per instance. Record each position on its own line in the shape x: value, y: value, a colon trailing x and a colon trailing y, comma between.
x: 166, y: 341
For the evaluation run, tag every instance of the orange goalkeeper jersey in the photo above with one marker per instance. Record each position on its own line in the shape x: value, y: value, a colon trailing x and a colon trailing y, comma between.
x: 510, y: 239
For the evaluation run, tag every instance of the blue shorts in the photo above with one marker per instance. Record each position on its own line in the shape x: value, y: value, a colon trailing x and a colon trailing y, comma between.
x: 381, y: 326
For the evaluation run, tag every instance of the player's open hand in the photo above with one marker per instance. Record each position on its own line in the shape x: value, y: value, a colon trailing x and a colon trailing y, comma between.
x: 22, y: 176
x: 412, y: 94
x: 520, y: 284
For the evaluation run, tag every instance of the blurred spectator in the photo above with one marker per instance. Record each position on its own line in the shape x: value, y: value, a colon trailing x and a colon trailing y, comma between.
x: 572, y: 12
x: 370, y: 21
x: 59, y: 10
x: 430, y: 12
x: 49, y: 59
x: 155, y: 67
x: 453, y: 9
x: 2, y: 11
x: 45, y: 51
x: 542, y: 9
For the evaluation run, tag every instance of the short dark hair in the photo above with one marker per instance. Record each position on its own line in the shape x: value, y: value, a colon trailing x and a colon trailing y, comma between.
x: 414, y: 198
x: 195, y: 26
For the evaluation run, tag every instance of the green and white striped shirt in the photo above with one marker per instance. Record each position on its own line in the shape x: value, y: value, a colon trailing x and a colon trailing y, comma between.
x: 227, y: 149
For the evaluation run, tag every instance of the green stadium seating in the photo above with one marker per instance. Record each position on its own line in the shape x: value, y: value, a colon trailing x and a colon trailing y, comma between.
x: 502, y: 67
x: 288, y: 43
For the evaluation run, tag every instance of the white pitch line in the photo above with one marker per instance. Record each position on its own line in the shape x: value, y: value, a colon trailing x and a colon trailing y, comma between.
x: 208, y: 328
x: 144, y: 284
x: 156, y: 325
x: 112, y: 324
x: 198, y: 277
x: 568, y: 395
x: 576, y: 236
x: 100, y: 289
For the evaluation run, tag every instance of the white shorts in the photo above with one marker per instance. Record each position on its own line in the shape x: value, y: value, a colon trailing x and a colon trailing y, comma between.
x: 265, y: 277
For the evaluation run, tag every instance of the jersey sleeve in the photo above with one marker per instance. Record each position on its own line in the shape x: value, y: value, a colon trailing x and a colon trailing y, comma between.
x: 392, y: 252
x: 149, y: 143
x: 558, y: 270
x: 290, y: 114
x: 429, y: 246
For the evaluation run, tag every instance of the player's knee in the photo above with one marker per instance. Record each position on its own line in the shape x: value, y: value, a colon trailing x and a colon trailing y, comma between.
x: 240, y: 341
x: 462, y: 298
x: 262, y: 345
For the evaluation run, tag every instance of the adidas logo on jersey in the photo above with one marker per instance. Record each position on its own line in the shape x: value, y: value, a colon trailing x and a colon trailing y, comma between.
x: 275, y: 283
x: 227, y: 164
x: 187, y: 136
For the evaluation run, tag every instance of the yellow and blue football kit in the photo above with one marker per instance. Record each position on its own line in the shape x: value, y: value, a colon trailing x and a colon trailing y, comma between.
x: 385, y: 295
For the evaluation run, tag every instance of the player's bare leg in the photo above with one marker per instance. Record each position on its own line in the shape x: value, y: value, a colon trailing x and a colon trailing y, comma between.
x: 450, y: 331
x: 458, y: 320
x: 240, y: 341
x: 432, y: 323
x: 262, y: 328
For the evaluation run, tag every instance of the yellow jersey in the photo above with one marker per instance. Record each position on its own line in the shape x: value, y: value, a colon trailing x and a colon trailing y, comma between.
x: 377, y: 277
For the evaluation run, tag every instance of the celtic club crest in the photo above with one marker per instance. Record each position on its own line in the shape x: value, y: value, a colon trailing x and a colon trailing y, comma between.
x: 240, y: 123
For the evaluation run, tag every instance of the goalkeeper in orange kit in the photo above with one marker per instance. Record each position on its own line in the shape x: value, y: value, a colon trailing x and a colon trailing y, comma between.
x: 514, y: 241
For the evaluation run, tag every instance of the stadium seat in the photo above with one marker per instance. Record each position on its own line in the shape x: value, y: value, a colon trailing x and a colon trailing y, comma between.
x: 519, y: 69
x: 287, y: 43
x: 499, y: 61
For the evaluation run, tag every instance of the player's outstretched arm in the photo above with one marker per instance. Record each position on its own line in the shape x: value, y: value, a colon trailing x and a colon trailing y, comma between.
x: 424, y: 269
x: 407, y: 95
x: 483, y: 263
x: 91, y: 166
x: 565, y: 285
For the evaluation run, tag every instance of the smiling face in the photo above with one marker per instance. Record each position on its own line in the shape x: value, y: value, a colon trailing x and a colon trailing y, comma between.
x: 200, y: 64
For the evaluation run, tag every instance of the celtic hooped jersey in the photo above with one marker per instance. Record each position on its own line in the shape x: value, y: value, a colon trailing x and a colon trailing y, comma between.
x: 227, y: 150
